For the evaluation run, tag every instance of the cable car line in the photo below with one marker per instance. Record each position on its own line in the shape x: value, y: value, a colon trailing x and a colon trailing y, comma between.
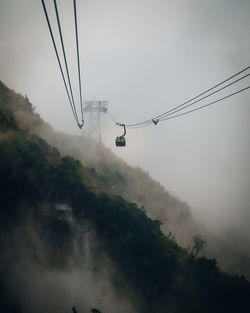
x: 212, y: 93
x: 58, y: 59
x: 78, y: 59
x: 65, y: 59
x: 68, y: 86
x: 205, y: 105
x: 219, y: 84
x: 141, y: 126
x: 193, y: 110
x: 112, y: 118
x: 186, y: 102
x: 120, y: 140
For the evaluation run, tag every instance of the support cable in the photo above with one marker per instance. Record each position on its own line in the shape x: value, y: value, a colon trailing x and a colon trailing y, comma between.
x: 193, y: 110
x: 210, y: 94
x: 58, y: 59
x: 78, y: 59
x: 65, y: 61
x: 147, y: 123
x: 205, y: 105
x: 186, y: 102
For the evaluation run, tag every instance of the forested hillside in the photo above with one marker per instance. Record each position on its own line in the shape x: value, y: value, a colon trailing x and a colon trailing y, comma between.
x: 72, y: 232
x: 113, y: 174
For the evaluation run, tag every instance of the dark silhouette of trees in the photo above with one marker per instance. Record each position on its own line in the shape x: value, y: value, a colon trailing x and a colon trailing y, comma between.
x: 199, y: 244
x: 95, y: 311
x: 74, y: 309
x: 164, y: 276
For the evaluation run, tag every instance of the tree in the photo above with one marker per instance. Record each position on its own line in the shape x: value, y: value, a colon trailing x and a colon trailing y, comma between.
x: 199, y: 244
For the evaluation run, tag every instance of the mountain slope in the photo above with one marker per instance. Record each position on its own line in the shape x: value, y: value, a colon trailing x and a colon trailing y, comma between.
x: 111, y: 174
x: 56, y: 218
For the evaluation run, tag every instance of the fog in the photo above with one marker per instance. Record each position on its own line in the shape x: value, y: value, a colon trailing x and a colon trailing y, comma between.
x: 38, y: 286
x: 145, y: 57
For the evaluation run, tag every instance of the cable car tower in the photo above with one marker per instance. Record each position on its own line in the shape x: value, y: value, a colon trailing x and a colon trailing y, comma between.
x: 95, y: 108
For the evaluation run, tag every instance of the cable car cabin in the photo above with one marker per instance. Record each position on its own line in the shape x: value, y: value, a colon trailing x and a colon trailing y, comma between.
x: 120, y: 141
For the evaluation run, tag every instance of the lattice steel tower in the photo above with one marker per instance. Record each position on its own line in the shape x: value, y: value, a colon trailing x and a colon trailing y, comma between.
x: 95, y: 108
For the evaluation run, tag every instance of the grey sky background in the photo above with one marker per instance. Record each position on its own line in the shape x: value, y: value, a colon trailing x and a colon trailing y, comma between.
x: 146, y: 56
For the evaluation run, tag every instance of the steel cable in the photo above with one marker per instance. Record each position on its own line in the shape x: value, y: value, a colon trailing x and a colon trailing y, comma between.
x: 78, y: 59
x: 65, y: 59
x: 205, y: 105
x: 186, y: 102
x: 58, y: 59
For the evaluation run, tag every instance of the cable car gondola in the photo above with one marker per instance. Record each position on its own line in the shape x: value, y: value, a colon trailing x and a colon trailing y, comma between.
x: 120, y: 140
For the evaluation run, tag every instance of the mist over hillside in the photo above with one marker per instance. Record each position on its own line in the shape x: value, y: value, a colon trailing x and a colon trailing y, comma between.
x: 112, y: 175
x: 133, y: 184
x: 89, y: 233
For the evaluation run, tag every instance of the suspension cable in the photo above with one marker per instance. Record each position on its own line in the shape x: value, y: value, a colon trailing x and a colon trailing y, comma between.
x: 58, y: 58
x: 78, y: 59
x: 65, y: 60
x: 112, y: 118
x: 196, y: 97
x: 140, y: 126
x: 210, y: 94
x: 205, y: 105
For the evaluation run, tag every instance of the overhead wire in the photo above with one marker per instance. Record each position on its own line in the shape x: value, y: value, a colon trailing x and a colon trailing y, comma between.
x: 78, y: 59
x: 205, y: 105
x: 195, y: 109
x: 112, y: 118
x: 147, y: 122
x: 65, y: 61
x: 162, y: 117
x: 212, y: 93
x: 140, y: 126
x: 58, y: 60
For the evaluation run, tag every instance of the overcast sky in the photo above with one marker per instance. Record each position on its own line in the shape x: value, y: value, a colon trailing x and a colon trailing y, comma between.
x: 146, y: 56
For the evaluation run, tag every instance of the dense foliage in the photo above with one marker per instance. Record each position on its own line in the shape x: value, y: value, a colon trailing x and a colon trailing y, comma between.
x: 164, y: 277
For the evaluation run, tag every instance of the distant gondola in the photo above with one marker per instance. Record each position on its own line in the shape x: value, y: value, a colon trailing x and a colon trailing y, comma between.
x: 120, y: 140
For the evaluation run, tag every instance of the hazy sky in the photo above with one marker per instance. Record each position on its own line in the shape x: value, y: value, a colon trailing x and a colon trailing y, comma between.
x: 146, y: 56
